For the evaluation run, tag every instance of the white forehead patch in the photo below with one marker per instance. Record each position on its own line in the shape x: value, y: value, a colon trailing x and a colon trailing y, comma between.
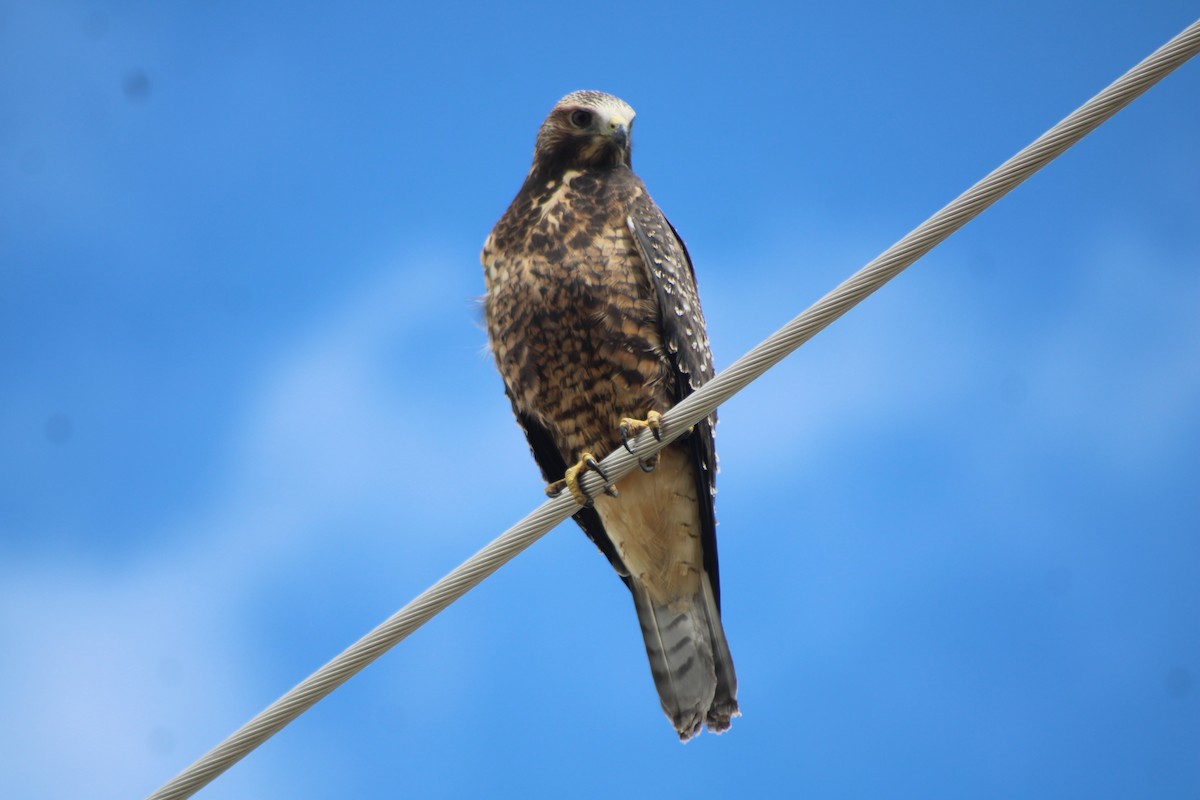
x: 604, y: 104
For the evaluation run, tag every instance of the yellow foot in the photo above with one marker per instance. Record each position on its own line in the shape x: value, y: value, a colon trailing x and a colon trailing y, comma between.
x: 630, y: 428
x: 571, y: 481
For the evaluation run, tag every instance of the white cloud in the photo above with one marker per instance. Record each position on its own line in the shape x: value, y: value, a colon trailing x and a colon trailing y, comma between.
x: 107, y: 666
x: 128, y: 673
x: 1114, y: 373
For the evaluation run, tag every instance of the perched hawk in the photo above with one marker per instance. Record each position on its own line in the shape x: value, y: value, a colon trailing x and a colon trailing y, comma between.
x: 596, y: 327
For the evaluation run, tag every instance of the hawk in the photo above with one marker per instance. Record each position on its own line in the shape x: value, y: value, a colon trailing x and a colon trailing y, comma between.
x: 595, y: 324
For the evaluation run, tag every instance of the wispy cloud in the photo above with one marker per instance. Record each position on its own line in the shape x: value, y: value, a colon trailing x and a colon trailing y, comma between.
x: 127, y: 670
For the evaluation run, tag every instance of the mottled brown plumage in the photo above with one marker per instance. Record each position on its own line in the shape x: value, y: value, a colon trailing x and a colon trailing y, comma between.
x: 593, y: 317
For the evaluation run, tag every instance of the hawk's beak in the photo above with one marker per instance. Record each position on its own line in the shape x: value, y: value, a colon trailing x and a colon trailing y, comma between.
x: 618, y: 130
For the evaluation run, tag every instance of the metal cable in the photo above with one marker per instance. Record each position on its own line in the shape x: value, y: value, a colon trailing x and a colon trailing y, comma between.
x: 724, y: 385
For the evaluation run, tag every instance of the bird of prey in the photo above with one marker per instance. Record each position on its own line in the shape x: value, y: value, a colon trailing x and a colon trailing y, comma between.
x: 595, y: 324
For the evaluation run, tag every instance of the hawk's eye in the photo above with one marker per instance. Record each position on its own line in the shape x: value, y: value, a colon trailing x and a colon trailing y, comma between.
x: 581, y: 118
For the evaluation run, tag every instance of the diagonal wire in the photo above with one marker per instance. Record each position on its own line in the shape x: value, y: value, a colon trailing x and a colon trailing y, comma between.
x: 770, y: 352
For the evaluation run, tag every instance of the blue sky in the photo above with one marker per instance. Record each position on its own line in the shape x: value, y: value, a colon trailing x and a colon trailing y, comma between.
x: 246, y: 410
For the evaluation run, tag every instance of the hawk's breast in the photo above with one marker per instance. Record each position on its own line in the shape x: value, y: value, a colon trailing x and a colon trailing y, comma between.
x: 573, y: 320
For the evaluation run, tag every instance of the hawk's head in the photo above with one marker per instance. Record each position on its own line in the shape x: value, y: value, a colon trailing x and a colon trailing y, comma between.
x: 585, y: 129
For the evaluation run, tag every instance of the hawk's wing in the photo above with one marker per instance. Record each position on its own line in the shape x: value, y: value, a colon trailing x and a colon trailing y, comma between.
x: 551, y: 463
x: 683, y: 331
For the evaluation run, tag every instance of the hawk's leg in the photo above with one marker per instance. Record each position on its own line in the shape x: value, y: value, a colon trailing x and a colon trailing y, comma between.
x: 571, y: 481
x: 630, y: 428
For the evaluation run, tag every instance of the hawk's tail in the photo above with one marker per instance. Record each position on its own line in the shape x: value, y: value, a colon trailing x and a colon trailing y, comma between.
x: 689, y: 659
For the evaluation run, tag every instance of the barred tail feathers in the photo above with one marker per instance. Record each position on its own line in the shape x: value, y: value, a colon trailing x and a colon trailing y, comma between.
x: 724, y: 706
x: 689, y: 660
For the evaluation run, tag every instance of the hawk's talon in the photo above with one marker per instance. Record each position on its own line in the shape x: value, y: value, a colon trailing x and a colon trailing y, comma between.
x: 630, y: 428
x: 571, y: 480
x: 648, y: 464
x: 627, y: 434
x: 591, y: 463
